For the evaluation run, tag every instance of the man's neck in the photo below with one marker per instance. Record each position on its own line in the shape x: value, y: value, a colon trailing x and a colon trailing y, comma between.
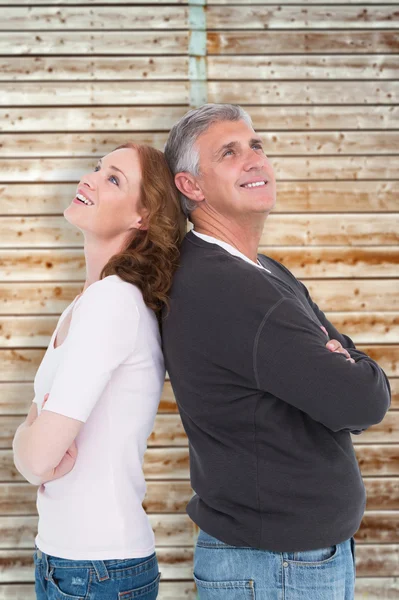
x: 245, y: 237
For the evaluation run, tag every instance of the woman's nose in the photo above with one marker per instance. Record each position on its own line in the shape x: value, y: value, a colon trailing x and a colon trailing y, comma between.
x: 88, y: 181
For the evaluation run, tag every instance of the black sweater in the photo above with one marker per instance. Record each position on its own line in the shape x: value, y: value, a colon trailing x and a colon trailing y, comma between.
x: 267, y: 408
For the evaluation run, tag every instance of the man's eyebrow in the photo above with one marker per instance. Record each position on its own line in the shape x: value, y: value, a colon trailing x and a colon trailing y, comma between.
x: 234, y: 144
x: 114, y: 168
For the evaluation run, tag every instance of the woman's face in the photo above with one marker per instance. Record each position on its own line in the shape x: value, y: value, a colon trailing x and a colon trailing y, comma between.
x: 107, y: 199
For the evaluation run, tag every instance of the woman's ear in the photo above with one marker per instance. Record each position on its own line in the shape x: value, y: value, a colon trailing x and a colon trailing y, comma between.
x: 187, y: 185
x: 142, y: 223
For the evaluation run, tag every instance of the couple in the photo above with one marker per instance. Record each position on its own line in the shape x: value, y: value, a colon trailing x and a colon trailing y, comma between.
x: 268, y: 390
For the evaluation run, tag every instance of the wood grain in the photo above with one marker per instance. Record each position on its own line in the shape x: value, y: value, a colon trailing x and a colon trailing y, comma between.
x: 275, y: 143
x: 303, y: 42
x: 21, y: 18
x: 73, y: 43
x: 161, y: 118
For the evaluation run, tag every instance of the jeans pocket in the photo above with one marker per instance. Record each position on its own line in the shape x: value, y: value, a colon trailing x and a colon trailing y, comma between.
x: 146, y: 592
x: 312, y: 557
x: 68, y: 583
x: 225, y: 590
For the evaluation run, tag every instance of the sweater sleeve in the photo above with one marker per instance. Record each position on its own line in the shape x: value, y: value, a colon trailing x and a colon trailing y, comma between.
x: 101, y: 336
x: 291, y: 361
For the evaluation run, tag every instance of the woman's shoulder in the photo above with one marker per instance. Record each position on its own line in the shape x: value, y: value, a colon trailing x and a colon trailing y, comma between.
x: 112, y: 292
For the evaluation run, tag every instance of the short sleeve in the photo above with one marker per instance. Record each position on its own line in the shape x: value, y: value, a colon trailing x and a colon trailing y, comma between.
x: 101, y: 336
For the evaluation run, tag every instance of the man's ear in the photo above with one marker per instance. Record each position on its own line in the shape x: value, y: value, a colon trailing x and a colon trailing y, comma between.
x: 188, y: 185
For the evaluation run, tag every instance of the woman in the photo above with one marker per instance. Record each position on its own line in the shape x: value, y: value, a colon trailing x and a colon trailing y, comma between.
x: 98, y: 387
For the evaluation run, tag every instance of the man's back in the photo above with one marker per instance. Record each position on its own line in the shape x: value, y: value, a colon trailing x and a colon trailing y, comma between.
x: 267, y: 408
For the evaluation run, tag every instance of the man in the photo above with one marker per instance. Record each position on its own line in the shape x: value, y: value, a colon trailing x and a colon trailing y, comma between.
x: 268, y: 407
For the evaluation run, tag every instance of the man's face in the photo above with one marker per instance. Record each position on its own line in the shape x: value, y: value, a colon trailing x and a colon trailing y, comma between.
x: 236, y: 177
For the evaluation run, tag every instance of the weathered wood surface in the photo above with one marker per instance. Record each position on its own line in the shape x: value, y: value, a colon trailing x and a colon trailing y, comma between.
x: 292, y: 197
x: 100, y: 42
x: 161, y: 92
x: 374, y: 328
x: 298, y: 168
x: 176, y: 563
x: 298, y: 17
x: 339, y: 296
x: 16, y: 397
x: 275, y: 143
x: 278, y: 67
x: 212, y: 2
x: 157, y: 118
x: 24, y: 18
x: 218, y: 67
x: 341, y: 262
x: 127, y: 68
x: 301, y: 42
x: 280, y: 230
x: 260, y: 92
x: 176, y: 590
x: 179, y: 530
x: 170, y: 463
x: 126, y: 93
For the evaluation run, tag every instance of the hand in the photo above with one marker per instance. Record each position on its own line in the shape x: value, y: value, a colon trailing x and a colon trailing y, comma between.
x: 335, y: 346
x: 67, y: 462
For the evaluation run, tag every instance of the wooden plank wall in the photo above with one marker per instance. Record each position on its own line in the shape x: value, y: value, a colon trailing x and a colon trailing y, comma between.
x: 320, y: 81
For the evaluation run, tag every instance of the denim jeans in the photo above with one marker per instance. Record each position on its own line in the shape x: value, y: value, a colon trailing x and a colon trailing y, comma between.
x: 224, y: 572
x: 61, y: 579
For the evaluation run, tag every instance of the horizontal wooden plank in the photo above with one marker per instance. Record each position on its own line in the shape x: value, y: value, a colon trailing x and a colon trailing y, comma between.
x: 170, y: 530
x: 298, y: 168
x: 373, y: 327
x: 176, y: 563
x: 292, y: 197
x: 162, y: 118
x: 259, y: 92
x: 98, y: 42
x: 280, y: 230
x: 17, y: 565
x: 329, y: 263
x: 101, y: 92
x: 271, y: 67
x: 301, y: 42
x: 386, y: 356
x: 122, y: 68
x: 172, y: 496
x: 298, y: 17
x: 28, y: 18
x: 339, y: 296
x: 377, y: 460
x: 168, y: 590
x: 275, y: 143
x: 161, y: 92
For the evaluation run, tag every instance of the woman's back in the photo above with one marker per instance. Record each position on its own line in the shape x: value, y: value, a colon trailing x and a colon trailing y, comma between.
x: 108, y: 373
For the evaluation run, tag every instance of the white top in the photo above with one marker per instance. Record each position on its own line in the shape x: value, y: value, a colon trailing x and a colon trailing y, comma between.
x: 229, y: 248
x: 108, y: 373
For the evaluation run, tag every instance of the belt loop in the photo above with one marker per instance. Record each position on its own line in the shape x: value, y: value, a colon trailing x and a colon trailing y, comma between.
x: 46, y: 565
x: 101, y: 570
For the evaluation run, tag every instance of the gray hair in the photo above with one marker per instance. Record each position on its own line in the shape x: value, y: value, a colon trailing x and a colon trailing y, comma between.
x: 180, y: 152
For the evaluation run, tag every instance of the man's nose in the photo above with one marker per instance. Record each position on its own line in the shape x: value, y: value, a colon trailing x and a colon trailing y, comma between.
x: 253, y: 160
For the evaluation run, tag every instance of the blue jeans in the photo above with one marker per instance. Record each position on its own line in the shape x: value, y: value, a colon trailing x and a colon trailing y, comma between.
x: 224, y: 572
x: 61, y: 579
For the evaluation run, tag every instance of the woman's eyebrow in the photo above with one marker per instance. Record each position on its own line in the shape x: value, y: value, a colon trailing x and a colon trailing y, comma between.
x: 113, y: 167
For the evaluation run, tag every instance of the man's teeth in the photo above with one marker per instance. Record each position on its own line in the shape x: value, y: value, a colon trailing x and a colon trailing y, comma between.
x: 83, y: 199
x: 257, y: 184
